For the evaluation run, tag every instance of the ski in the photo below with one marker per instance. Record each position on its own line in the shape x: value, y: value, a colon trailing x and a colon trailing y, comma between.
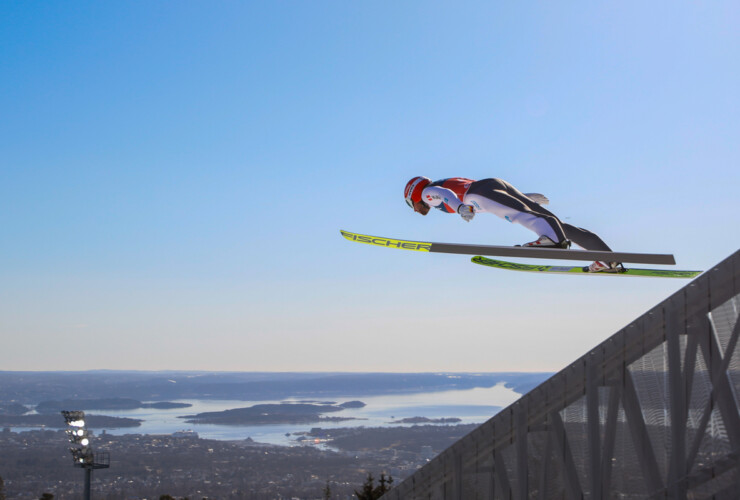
x: 505, y: 251
x: 646, y: 273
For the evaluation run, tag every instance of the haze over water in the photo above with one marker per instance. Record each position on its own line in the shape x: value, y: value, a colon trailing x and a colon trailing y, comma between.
x: 470, y: 405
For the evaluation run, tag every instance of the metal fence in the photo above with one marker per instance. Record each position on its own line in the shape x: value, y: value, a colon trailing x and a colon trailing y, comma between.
x: 652, y: 412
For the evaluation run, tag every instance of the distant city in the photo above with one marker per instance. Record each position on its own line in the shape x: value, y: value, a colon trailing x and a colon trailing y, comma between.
x: 277, y: 434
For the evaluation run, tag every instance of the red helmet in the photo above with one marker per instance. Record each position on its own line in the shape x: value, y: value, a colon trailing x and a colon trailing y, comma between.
x: 413, y: 190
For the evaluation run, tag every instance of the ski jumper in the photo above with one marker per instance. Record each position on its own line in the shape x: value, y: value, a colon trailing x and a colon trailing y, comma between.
x: 500, y: 198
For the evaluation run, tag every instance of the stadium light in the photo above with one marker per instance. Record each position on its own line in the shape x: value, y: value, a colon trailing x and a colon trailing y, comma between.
x: 82, y: 453
x: 74, y: 418
x: 79, y: 436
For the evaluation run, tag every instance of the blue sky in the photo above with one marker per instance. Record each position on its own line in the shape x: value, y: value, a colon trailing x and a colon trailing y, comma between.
x: 175, y: 175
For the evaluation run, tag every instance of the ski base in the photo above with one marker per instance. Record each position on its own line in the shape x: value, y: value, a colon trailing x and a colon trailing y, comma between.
x: 645, y: 273
x: 506, y: 251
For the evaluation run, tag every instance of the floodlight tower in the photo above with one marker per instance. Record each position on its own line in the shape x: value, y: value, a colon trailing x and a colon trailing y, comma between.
x: 82, y: 453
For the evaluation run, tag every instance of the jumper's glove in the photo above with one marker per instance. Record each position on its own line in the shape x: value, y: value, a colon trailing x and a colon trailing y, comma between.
x: 466, y: 212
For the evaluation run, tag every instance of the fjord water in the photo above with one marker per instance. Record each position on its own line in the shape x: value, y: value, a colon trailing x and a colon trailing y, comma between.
x: 470, y: 405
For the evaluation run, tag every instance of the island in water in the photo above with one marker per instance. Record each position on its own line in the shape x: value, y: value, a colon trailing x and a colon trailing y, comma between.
x: 281, y: 413
x: 425, y: 420
x: 49, y: 407
x: 56, y: 421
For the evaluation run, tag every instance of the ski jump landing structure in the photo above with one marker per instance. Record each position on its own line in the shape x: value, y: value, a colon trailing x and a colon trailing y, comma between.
x: 652, y: 413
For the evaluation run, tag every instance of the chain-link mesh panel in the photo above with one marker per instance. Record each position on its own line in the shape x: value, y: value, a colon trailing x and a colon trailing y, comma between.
x: 475, y: 474
x: 486, y: 480
x: 725, y: 323
x: 719, y: 478
x: 700, y: 390
x: 714, y: 446
x: 508, y: 454
x: 649, y: 374
x: 536, y: 461
x: 554, y: 478
x: 627, y: 479
x: 574, y: 421
x: 724, y: 318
